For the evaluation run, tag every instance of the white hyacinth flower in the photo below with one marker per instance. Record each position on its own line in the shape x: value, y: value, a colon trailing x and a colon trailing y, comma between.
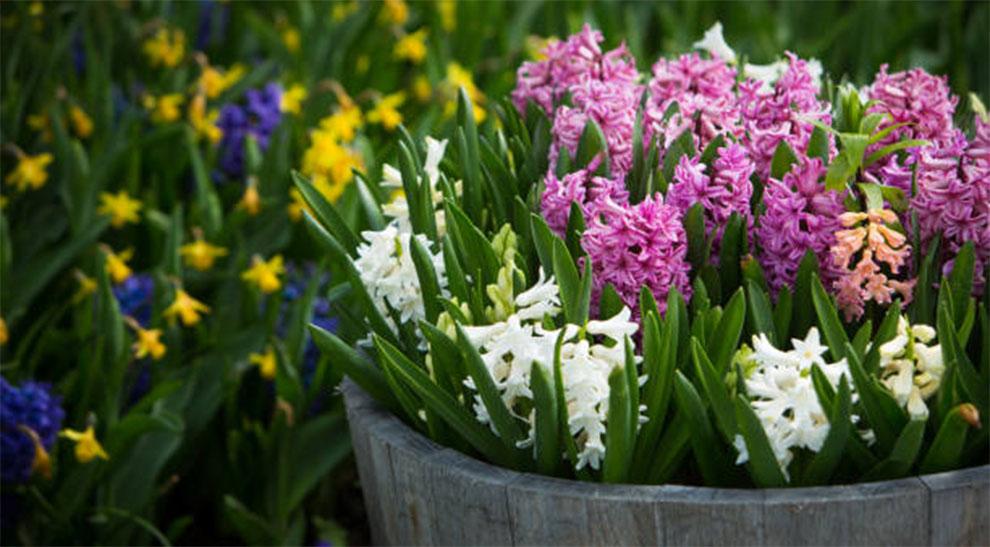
x: 714, y: 42
x: 784, y: 396
x: 911, y: 368
x: 398, y: 207
x: 387, y: 270
x: 509, y: 349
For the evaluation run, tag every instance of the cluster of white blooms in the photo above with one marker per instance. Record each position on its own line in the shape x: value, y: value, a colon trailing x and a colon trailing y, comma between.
x: 398, y: 207
x: 714, y: 42
x: 911, y: 368
x: 510, y: 347
x: 784, y: 396
x: 385, y: 258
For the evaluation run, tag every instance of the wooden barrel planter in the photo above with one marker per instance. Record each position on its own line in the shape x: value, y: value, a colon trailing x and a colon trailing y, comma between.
x: 420, y: 493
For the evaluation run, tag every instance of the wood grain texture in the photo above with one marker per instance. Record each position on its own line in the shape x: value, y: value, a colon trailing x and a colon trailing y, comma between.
x: 883, y: 513
x: 689, y: 515
x: 420, y: 493
x: 470, y: 505
x: 960, y: 505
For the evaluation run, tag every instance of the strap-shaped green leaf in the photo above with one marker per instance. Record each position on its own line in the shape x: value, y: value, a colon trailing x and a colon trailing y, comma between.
x: 714, y: 386
x: 945, y: 452
x: 828, y: 319
x: 500, y: 415
x: 708, y: 455
x: 762, y: 464
x: 733, y: 247
x: 546, y: 421
x: 902, y: 456
x: 883, y: 414
x: 570, y: 446
x: 783, y: 313
x: 325, y: 213
x: 783, y: 158
x: 827, y: 459
x: 340, y: 257
x: 448, y: 365
x: 445, y: 406
x: 804, y: 315
x: 723, y: 344
x: 618, y: 441
x: 760, y: 313
x: 970, y: 382
x: 961, y: 280
x: 429, y: 285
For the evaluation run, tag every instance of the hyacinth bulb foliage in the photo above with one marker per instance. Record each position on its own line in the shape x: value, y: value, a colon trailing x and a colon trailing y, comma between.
x: 710, y: 279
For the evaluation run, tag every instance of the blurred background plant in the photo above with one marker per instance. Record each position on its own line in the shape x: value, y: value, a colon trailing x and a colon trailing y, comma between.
x: 156, y: 282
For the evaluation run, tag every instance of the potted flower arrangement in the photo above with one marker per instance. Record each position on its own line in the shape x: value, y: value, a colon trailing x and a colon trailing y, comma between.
x: 747, y: 281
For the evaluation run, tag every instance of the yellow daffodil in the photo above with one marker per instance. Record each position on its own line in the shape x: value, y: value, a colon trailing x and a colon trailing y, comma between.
x: 81, y: 122
x: 87, y: 447
x: 448, y: 14
x: 341, y: 10
x: 329, y: 164
x: 296, y: 205
x: 165, y: 48
x: 31, y: 172
x: 344, y: 122
x: 204, y: 123
x: 87, y: 286
x: 292, y: 99
x: 117, y: 264
x: 42, y: 123
x: 412, y: 47
x: 42, y: 462
x: 422, y: 89
x: 251, y: 200
x: 396, y: 12
x: 148, y: 343
x: 265, y: 274
x: 164, y: 109
x: 120, y: 207
x: 186, y: 308
x: 201, y: 254
x: 214, y: 81
x: 458, y: 77
x: 267, y: 363
x: 386, y: 111
x: 291, y: 40
x: 4, y: 335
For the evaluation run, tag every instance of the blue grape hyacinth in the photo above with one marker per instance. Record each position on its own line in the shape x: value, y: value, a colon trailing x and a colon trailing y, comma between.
x: 258, y: 117
x: 135, y: 297
x: 33, y: 406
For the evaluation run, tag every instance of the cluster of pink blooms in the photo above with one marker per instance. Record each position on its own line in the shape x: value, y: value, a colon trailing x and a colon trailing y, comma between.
x: 875, y: 242
x: 800, y: 215
x: 591, y: 193
x: 700, y: 87
x: 774, y: 114
x: 635, y: 246
x: 726, y: 190
x: 952, y: 178
x: 601, y: 85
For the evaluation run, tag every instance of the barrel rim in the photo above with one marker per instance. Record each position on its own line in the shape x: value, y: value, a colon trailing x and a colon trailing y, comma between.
x: 376, y: 420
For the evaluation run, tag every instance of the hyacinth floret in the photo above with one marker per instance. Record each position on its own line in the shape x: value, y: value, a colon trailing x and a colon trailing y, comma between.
x: 779, y: 113
x: 702, y: 88
x: 591, y: 193
x: 800, y: 215
x: 632, y: 246
x: 726, y: 190
x: 876, y: 244
x: 509, y: 349
x: 258, y: 117
x: 784, y: 396
x: 33, y: 407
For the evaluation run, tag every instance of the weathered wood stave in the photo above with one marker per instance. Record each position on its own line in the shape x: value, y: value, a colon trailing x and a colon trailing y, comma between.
x: 420, y: 493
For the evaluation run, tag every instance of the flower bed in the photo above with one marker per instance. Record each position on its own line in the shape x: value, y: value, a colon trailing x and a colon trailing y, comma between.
x: 604, y: 287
